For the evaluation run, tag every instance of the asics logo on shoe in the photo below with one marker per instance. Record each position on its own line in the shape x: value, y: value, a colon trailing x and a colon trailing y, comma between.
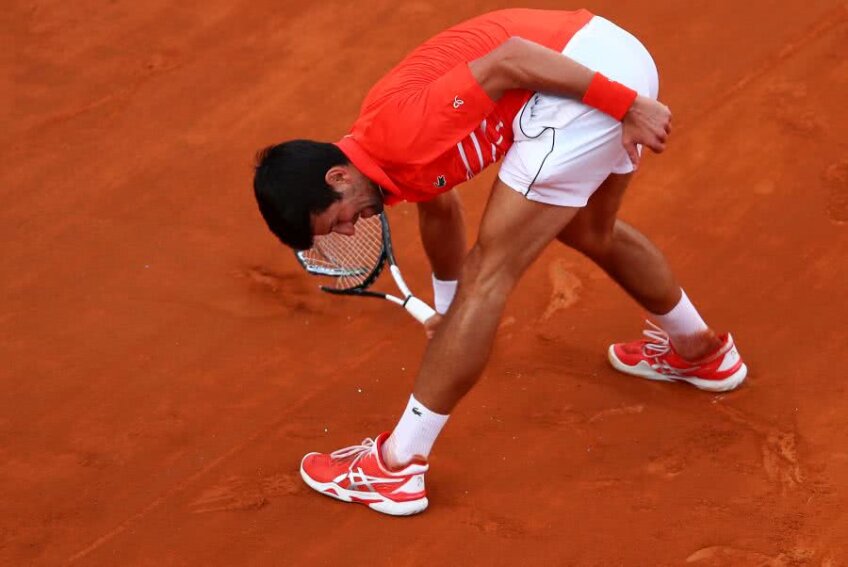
x: 665, y: 368
x: 414, y: 485
x: 358, y: 480
x: 730, y: 360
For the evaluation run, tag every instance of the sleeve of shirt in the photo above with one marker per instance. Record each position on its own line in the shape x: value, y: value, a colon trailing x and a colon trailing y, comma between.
x: 415, y: 125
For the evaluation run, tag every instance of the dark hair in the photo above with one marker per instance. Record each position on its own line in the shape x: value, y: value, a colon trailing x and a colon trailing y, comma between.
x: 289, y: 184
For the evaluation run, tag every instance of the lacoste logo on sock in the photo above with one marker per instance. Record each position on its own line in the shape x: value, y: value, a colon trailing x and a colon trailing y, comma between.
x: 417, y: 411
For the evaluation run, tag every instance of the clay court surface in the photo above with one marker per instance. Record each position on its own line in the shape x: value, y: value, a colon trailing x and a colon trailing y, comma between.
x: 165, y: 364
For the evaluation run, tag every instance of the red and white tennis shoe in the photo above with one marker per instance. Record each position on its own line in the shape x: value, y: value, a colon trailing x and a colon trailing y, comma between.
x: 358, y: 474
x: 655, y: 359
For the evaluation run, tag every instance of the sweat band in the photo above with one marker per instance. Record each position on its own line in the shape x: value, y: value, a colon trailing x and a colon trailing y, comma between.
x: 609, y: 97
x: 443, y: 294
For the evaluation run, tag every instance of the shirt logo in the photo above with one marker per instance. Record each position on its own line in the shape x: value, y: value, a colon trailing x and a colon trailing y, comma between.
x: 440, y: 181
x: 457, y: 102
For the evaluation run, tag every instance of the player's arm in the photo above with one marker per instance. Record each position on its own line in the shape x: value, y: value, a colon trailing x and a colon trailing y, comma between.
x: 442, y: 225
x: 522, y: 64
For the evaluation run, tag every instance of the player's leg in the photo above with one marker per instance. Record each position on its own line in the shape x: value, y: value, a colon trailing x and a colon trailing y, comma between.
x: 639, y: 267
x: 513, y: 231
x: 628, y: 256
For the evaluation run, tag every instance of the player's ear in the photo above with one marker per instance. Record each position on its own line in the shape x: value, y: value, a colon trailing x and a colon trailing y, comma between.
x: 334, y: 176
x: 337, y: 177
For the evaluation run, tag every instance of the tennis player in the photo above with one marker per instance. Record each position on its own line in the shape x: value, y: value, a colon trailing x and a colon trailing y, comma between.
x: 565, y: 99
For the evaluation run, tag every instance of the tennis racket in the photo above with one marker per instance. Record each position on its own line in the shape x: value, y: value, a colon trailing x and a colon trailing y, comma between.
x: 351, y: 264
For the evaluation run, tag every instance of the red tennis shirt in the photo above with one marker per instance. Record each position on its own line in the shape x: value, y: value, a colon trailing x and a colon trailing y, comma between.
x: 428, y: 126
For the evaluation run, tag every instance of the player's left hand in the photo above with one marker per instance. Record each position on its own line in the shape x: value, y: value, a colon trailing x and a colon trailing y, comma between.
x: 648, y: 122
x: 431, y: 324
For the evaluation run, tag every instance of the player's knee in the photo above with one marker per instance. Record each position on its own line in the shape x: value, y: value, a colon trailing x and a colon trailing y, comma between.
x: 591, y: 243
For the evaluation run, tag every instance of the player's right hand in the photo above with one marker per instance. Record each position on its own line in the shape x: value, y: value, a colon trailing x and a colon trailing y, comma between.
x: 648, y: 122
x: 431, y: 324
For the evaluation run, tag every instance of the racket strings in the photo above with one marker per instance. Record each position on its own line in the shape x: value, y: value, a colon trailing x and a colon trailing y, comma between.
x: 349, y: 260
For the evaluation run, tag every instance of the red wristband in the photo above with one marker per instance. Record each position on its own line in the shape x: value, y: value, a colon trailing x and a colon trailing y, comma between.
x: 609, y: 97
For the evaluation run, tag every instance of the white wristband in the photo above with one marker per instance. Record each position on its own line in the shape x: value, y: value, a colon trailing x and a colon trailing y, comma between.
x: 443, y: 292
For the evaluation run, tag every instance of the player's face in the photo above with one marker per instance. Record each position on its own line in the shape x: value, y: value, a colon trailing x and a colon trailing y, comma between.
x: 339, y: 217
x: 371, y: 199
x: 360, y: 199
x: 368, y: 197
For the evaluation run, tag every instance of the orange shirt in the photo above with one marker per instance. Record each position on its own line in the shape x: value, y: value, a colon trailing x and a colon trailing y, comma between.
x: 428, y: 125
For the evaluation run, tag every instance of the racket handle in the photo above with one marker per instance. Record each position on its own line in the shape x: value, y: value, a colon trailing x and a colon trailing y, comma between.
x: 418, y: 309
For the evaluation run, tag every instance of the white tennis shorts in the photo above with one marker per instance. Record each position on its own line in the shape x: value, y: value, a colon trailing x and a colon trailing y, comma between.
x: 563, y: 149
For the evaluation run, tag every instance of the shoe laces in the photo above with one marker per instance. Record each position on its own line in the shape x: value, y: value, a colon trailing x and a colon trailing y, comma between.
x: 354, y: 452
x: 657, y: 344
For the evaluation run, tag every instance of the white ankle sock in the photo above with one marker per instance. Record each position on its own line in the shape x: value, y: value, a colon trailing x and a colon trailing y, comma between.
x: 414, y: 434
x: 682, y: 321
x: 443, y: 293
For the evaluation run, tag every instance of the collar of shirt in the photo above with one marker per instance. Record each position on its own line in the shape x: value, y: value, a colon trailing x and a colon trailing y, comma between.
x: 370, y: 168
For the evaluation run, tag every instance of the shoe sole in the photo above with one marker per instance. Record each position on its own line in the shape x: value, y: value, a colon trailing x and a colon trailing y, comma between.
x: 644, y: 371
x: 383, y: 505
